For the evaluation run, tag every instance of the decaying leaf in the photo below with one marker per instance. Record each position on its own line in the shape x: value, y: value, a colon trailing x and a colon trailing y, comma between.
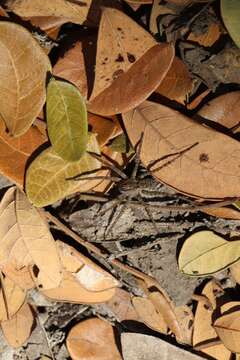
x: 72, y: 11
x: 203, y: 332
x: 126, y: 54
x: 24, y: 66
x: 149, y: 315
x: 12, y: 297
x: 14, y: 153
x: 230, y: 10
x: 92, y: 339
x: 18, y: 329
x: 178, y: 83
x: 190, y: 157
x: 48, y: 176
x: 67, y: 120
x: 205, y: 253
x: 26, y: 239
x: 141, y: 346
x: 72, y: 68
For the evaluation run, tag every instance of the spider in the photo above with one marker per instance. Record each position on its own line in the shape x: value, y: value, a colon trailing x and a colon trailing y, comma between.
x: 133, y: 189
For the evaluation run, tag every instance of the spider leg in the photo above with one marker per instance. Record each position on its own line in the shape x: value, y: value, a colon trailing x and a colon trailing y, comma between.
x: 137, y: 157
x: 108, y: 164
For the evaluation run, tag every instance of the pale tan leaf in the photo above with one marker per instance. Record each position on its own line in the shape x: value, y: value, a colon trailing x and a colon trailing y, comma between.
x: 227, y: 327
x: 87, y: 273
x: 48, y: 176
x: 235, y: 271
x: 190, y: 157
x: 73, y: 12
x: 120, y: 305
x: 22, y: 277
x: 26, y: 239
x: 24, y: 66
x: 12, y: 298
x: 71, y: 290
x: 72, y: 68
x: 18, y: 329
x: 149, y: 315
x: 185, y: 318
x: 126, y: 54
x: 14, y: 152
x: 92, y: 339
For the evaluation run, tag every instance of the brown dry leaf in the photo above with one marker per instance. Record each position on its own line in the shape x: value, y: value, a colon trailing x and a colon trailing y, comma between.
x: 203, y: 330
x: 26, y: 239
x: 178, y: 83
x: 18, y: 329
x: 14, y: 152
x: 235, y: 271
x: 121, y: 306
x: 102, y: 126
x: 72, y: 68
x: 92, y: 339
x: 185, y: 318
x: 149, y: 315
x: 87, y: 273
x: 3, y: 12
x: 71, y: 11
x: 223, y: 110
x: 71, y: 290
x: 208, y: 38
x: 158, y: 9
x: 190, y: 157
x: 23, y: 71
x: 224, y: 212
x: 12, y: 298
x: 126, y: 54
x: 49, y: 24
x: 22, y: 277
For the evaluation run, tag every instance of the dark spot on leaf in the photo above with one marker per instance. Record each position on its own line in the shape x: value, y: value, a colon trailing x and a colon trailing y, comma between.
x: 40, y: 286
x: 119, y: 58
x: 103, y: 63
x: 35, y: 270
x: 106, y: 59
x: 131, y: 58
x: 107, y: 79
x: 136, y: 39
x: 117, y: 73
x: 119, y: 29
x: 195, y: 272
x: 203, y: 157
x: 190, y: 324
x: 206, y: 307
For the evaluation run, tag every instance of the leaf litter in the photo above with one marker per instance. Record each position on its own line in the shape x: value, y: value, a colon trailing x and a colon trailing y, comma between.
x: 168, y: 121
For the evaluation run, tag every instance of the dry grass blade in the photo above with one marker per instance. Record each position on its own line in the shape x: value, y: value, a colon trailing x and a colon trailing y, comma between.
x: 208, y: 170
x: 23, y: 71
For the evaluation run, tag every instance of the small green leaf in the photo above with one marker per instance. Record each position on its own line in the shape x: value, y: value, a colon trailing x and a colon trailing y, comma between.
x: 206, y: 253
x: 48, y: 174
x: 66, y: 120
x: 120, y: 144
x: 230, y: 10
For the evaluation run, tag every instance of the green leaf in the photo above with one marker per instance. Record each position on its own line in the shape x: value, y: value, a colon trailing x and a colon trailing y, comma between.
x: 120, y: 144
x: 67, y: 120
x: 48, y: 174
x: 206, y: 253
x: 230, y: 10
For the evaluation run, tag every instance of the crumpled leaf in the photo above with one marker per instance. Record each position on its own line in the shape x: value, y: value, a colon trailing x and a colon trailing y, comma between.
x: 12, y: 298
x: 204, y: 253
x: 230, y: 10
x: 47, y: 176
x: 92, y: 339
x: 173, y: 144
x: 72, y: 68
x: 126, y: 54
x: 73, y: 12
x: 67, y: 120
x: 14, y: 153
x: 26, y: 239
x: 24, y: 66
x: 18, y: 329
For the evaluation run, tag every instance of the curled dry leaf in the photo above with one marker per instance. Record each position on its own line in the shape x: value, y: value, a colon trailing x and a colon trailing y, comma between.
x: 26, y: 239
x: 149, y: 315
x: 18, y: 329
x: 67, y: 120
x: 192, y: 158
x: 178, y: 83
x: 230, y: 11
x: 48, y: 176
x: 12, y: 297
x: 126, y: 54
x: 24, y: 66
x: 14, y: 153
x: 205, y: 253
x: 92, y: 339
x: 71, y: 11
x: 72, y: 68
